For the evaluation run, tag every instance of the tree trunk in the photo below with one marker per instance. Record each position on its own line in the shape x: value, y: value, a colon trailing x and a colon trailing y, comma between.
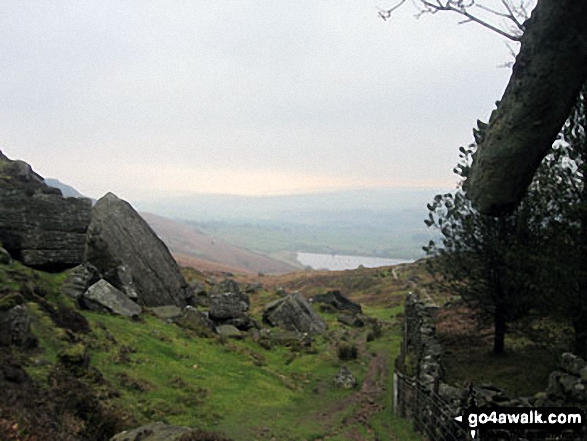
x: 546, y: 78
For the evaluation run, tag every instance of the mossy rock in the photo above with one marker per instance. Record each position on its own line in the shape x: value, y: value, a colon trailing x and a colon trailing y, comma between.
x: 75, y: 356
x: 9, y: 301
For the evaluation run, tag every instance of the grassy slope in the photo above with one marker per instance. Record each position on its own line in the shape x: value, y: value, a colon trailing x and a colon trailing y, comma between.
x: 167, y: 373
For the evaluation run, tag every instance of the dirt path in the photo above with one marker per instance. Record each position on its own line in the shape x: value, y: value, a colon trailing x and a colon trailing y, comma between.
x: 365, y: 402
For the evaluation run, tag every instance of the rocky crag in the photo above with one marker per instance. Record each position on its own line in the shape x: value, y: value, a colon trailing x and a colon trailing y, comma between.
x: 38, y: 226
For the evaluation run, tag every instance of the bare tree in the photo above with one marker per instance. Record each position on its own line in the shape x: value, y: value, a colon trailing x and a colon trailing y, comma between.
x: 504, y: 17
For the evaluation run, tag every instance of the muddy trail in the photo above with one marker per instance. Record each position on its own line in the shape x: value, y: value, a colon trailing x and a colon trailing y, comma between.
x: 362, y: 405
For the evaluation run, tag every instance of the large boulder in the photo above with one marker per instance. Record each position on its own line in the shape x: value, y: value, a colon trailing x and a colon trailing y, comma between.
x: 38, y: 226
x: 229, y: 306
x: 293, y: 313
x: 130, y: 256
x: 104, y: 297
x: 335, y: 301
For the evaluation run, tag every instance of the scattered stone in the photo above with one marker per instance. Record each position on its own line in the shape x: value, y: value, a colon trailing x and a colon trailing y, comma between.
x: 229, y: 306
x: 293, y: 313
x: 152, y: 432
x: 229, y: 331
x: 78, y: 280
x: 5, y: 258
x: 199, y: 294
x: 351, y: 320
x: 227, y: 285
x: 168, y: 312
x: 104, y: 297
x: 336, y: 301
x: 345, y: 379
x: 130, y: 256
x: 164, y: 432
x: 253, y: 288
x: 572, y: 364
x: 15, y: 322
x: 280, y: 337
x: 38, y: 226
x: 196, y: 320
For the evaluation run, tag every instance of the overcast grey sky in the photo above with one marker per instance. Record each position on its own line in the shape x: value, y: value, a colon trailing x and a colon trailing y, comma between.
x: 146, y: 98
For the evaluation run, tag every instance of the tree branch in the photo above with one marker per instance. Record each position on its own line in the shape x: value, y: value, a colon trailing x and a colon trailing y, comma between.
x: 463, y: 8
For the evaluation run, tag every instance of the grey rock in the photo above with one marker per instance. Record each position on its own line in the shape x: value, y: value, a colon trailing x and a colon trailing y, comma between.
x: 130, y: 256
x: 199, y: 296
x: 583, y: 374
x: 571, y: 363
x: 351, y: 320
x: 169, y: 312
x: 450, y: 393
x: 104, y: 297
x: 228, y: 305
x: 38, y: 226
x: 15, y: 325
x: 5, y: 258
x: 293, y: 313
x: 345, y: 379
x: 229, y: 331
x: 227, y: 285
x: 78, y: 280
x: 196, y: 320
x: 336, y: 301
x: 253, y: 288
x: 281, y: 337
x: 152, y: 432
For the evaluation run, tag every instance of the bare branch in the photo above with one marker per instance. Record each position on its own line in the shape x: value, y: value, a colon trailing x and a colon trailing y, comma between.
x: 512, y: 13
x: 385, y: 14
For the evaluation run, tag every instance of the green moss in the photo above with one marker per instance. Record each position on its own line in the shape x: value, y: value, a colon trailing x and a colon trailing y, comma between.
x: 74, y: 355
x: 10, y: 301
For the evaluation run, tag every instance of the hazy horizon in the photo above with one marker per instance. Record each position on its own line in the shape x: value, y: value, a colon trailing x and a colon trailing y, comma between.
x: 148, y: 99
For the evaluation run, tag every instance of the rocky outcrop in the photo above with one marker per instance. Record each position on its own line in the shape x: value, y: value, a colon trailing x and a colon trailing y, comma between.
x: 130, y: 256
x: 38, y: 226
x: 293, y: 313
x: 104, y: 297
x: 229, y: 306
x: 335, y: 301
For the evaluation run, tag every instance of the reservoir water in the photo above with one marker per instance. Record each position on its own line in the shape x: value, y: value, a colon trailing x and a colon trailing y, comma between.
x: 338, y: 262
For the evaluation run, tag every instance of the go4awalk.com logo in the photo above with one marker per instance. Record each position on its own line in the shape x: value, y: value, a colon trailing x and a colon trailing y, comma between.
x: 546, y: 419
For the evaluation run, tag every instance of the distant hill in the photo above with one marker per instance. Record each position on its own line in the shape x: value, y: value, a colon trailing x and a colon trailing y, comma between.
x: 194, y: 248
x: 386, y: 222
x: 67, y: 190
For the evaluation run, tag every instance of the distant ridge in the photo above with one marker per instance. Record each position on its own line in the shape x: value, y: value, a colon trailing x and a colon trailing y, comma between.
x: 67, y: 190
x: 191, y: 247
